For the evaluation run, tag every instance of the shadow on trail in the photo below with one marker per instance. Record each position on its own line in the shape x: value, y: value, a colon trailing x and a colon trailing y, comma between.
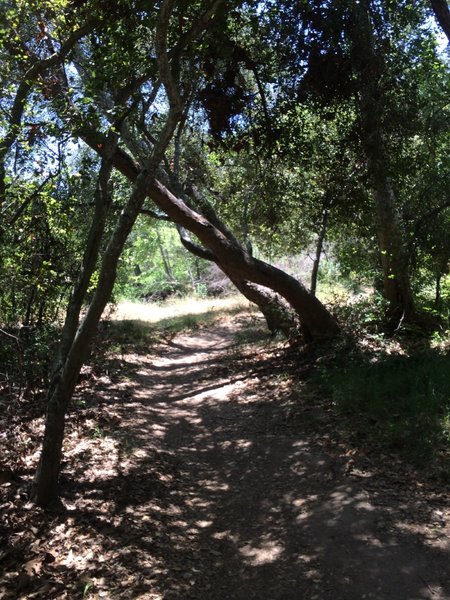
x: 223, y: 499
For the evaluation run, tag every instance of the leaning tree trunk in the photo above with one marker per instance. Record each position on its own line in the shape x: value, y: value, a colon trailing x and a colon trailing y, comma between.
x: 442, y: 14
x: 276, y: 311
x: 70, y: 355
x: 394, y: 258
x: 317, y: 322
x: 90, y: 257
x: 60, y: 394
x: 63, y: 384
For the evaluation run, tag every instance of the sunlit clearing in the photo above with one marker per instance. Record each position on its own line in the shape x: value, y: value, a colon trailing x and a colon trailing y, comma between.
x: 152, y: 313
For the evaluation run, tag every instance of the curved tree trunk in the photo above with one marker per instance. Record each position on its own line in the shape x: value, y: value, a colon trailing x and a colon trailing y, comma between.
x: 90, y: 257
x: 276, y: 312
x: 316, y: 321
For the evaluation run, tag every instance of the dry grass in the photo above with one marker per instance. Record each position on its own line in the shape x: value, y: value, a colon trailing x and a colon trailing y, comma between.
x: 152, y: 313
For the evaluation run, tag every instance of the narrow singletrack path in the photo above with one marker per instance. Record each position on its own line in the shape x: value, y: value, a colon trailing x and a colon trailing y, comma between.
x: 253, y: 506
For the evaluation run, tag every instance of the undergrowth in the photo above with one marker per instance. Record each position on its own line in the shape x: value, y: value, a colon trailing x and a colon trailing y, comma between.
x: 398, y: 402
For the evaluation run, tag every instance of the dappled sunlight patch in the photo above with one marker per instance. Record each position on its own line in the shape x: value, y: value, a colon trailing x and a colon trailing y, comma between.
x: 267, y: 551
x: 304, y: 516
x: 222, y: 393
x: 215, y: 486
x: 204, y: 524
x: 240, y: 444
x: 340, y: 498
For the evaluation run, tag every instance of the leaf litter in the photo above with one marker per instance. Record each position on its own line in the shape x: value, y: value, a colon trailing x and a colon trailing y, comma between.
x: 209, y: 469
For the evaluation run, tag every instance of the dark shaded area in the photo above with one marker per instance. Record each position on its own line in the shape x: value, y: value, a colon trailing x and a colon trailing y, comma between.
x: 402, y: 402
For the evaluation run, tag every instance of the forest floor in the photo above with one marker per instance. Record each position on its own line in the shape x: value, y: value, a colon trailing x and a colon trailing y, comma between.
x: 205, y: 468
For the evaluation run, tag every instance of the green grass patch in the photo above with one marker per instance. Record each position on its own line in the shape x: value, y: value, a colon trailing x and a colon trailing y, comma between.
x: 130, y: 333
x: 135, y: 331
x: 401, y: 402
x: 189, y: 322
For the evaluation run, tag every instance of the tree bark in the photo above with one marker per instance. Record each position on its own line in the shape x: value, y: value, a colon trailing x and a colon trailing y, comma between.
x: 46, y: 480
x: 316, y: 320
x: 394, y: 257
x: 394, y: 260
x: 276, y: 312
x: 90, y: 256
x: 442, y: 14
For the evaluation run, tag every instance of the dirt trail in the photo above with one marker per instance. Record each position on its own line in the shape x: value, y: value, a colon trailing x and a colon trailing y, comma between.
x: 256, y: 508
x: 205, y: 477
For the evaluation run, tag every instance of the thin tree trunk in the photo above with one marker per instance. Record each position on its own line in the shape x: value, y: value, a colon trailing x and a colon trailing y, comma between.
x: 165, y: 258
x: 394, y: 258
x: 318, y: 254
x: 61, y: 391
x: 437, y: 296
x: 90, y: 258
x: 41, y: 311
x: 27, y: 320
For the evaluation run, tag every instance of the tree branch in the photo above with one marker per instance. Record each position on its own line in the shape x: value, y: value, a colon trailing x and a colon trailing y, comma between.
x: 154, y: 215
x: 195, y: 249
x: 162, y: 58
x: 23, y: 90
x: 442, y: 14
